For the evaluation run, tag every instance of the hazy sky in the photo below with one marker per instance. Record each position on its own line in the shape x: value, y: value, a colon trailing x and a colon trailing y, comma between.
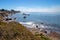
x: 31, y: 5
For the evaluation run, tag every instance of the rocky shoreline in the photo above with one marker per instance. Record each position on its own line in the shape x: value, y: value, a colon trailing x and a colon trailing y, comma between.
x: 51, y: 34
x: 34, y: 28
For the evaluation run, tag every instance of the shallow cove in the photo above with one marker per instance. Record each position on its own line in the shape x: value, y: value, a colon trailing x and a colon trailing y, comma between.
x: 50, y: 21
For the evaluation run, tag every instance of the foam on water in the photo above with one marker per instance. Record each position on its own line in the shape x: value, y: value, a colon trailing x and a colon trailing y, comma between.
x: 49, y: 21
x: 33, y: 25
x: 28, y: 23
x: 41, y: 26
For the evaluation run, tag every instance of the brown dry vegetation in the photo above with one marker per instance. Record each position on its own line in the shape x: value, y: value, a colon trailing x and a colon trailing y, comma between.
x: 15, y: 31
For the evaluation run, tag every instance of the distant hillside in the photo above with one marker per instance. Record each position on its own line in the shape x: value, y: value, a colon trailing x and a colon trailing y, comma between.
x: 15, y: 31
x: 6, y: 13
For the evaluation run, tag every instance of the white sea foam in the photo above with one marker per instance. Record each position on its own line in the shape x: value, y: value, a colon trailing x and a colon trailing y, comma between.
x: 28, y: 24
x: 41, y: 26
x: 32, y: 24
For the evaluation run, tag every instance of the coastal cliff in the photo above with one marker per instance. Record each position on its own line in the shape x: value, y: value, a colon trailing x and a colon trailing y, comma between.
x: 15, y: 31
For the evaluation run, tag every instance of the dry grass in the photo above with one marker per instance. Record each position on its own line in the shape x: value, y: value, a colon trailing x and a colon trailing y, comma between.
x: 15, y: 31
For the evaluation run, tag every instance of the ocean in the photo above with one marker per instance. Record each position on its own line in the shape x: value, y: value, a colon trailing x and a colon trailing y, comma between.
x: 51, y: 20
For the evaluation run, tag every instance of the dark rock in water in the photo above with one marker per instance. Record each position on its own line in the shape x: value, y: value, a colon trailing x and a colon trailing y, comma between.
x: 8, y: 19
x: 24, y: 17
x: 36, y: 26
x: 14, y: 18
x: 26, y: 14
x: 42, y: 23
x: 45, y: 31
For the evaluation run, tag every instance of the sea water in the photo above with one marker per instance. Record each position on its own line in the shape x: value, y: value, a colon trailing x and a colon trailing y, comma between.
x: 49, y: 20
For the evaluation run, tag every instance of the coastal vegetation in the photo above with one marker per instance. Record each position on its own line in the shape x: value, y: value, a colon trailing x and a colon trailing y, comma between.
x: 42, y: 37
x: 6, y: 13
x: 16, y: 31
